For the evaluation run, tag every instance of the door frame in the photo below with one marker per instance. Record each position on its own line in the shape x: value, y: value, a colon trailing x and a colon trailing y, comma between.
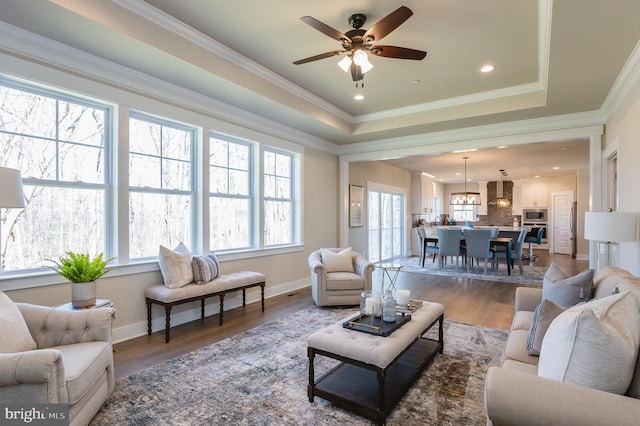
x: 552, y: 222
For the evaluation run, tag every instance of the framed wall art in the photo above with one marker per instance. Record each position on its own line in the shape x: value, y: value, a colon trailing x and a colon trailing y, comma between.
x: 356, y: 195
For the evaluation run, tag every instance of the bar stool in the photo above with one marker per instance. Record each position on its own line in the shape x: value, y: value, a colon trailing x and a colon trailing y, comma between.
x: 534, y: 236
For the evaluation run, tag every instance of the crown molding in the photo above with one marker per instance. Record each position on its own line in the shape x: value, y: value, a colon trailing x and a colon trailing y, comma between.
x: 34, y: 48
x: 158, y: 17
x: 562, y: 127
x: 625, y: 81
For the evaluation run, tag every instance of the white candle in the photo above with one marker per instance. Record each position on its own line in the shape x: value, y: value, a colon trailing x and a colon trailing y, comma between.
x: 403, y: 297
x: 369, y: 305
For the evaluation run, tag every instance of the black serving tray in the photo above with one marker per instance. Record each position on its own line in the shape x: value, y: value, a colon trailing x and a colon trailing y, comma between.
x: 375, y: 325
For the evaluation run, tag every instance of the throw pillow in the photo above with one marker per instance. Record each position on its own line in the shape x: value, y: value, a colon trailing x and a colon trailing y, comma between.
x: 14, y: 331
x: 337, y: 262
x: 175, y: 266
x: 205, y: 268
x: 565, y: 290
x: 545, y: 313
x: 594, y: 344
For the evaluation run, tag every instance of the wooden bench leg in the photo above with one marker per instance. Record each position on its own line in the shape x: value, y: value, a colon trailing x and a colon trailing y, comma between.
x: 167, y: 323
x: 221, y: 306
x: 262, y: 295
x: 148, y: 318
x: 244, y: 297
x: 202, y: 308
x: 311, y: 353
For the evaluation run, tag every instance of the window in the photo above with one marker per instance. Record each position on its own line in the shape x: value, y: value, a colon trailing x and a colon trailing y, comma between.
x: 385, y: 225
x: 160, y: 185
x: 278, y: 197
x: 463, y: 213
x: 58, y: 143
x: 230, y: 201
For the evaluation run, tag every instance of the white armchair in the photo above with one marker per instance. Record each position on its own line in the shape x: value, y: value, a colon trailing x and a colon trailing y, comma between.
x: 340, y: 279
x: 57, y: 356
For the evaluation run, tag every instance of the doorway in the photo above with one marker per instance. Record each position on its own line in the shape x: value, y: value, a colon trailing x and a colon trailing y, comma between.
x: 563, y: 223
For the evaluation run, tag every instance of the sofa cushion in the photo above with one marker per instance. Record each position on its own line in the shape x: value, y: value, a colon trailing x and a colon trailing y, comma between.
x: 175, y: 266
x: 545, y: 313
x: 83, y: 365
x: 594, y: 344
x: 13, y: 329
x: 566, y: 290
x: 516, y: 348
x: 337, y: 262
x: 205, y: 268
x: 629, y: 283
x: 606, y: 281
x: 344, y: 281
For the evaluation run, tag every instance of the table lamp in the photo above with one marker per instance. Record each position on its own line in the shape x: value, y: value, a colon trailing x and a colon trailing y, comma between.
x: 608, y: 229
x: 11, y: 194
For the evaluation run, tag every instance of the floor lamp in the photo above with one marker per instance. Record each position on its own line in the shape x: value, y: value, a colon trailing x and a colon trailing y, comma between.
x: 11, y: 194
x: 608, y: 229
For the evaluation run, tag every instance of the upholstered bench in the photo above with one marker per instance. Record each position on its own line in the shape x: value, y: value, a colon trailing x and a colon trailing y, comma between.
x: 396, y: 360
x: 223, y: 284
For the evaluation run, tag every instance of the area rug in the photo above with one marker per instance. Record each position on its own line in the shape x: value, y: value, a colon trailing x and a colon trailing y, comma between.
x: 259, y: 377
x: 532, y: 275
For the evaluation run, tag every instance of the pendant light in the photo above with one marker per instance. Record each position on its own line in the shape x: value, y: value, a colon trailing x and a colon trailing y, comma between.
x: 501, y: 200
x: 465, y: 198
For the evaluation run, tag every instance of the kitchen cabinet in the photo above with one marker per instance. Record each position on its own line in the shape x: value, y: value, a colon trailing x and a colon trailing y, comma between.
x: 421, y: 194
x: 535, y: 194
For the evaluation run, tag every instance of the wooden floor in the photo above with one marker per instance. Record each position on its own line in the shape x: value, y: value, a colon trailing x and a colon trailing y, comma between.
x: 479, y: 302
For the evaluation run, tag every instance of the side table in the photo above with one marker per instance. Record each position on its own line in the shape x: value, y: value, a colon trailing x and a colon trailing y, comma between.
x: 390, y: 270
x: 100, y: 303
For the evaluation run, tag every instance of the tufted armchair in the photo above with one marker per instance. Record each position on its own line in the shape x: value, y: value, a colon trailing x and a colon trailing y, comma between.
x: 57, y: 356
x: 339, y: 276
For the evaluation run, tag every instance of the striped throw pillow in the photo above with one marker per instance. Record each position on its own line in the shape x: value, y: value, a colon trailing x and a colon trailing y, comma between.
x: 205, y: 268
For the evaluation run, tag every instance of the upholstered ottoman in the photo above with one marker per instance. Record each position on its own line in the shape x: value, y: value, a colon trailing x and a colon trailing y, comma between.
x: 375, y: 371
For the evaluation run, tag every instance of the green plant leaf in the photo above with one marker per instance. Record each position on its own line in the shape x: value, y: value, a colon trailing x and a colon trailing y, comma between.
x: 80, y: 268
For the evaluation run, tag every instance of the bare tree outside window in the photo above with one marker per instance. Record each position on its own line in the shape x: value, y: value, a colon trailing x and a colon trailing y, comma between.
x: 58, y: 143
x: 278, y: 198
x: 230, y: 193
x: 160, y: 185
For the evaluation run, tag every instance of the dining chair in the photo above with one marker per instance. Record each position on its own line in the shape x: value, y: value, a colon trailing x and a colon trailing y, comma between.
x: 478, y: 245
x: 516, y: 252
x: 448, y: 245
x: 425, y: 249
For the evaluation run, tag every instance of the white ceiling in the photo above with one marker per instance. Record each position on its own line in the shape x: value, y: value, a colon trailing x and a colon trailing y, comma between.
x: 550, y: 58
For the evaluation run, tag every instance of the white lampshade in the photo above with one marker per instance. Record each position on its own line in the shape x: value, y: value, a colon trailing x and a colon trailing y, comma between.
x: 616, y: 227
x: 345, y: 63
x: 11, y: 194
x: 361, y: 59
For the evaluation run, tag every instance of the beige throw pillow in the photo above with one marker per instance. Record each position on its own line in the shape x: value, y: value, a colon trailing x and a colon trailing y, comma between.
x: 594, y: 344
x: 175, y: 266
x: 337, y: 262
x: 545, y: 313
x: 14, y: 331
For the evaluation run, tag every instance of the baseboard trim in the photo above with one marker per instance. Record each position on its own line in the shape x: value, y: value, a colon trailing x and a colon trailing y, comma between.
x: 212, y: 307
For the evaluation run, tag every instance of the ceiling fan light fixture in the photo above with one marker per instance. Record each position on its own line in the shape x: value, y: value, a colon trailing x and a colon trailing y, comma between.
x: 345, y: 63
x: 361, y: 59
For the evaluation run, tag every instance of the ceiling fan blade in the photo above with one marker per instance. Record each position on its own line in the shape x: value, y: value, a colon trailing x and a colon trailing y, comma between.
x: 398, y: 52
x: 325, y: 29
x: 388, y: 23
x: 320, y: 56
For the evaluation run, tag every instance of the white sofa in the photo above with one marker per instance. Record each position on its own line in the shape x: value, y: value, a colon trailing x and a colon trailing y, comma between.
x: 516, y: 395
x: 56, y: 356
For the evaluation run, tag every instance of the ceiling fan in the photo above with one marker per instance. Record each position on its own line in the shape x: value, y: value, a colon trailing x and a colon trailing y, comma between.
x: 356, y: 42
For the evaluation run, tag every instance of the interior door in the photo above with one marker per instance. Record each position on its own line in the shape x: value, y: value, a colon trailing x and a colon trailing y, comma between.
x: 562, y: 226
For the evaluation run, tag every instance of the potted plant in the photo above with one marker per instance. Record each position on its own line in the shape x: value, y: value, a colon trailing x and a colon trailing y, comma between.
x: 82, y: 272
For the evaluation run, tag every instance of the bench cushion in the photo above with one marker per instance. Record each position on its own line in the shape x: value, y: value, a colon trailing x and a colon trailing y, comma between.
x: 370, y: 349
x: 224, y: 282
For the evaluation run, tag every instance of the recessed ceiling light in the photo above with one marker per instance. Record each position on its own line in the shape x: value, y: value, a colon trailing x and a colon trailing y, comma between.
x: 465, y: 150
x: 358, y: 97
x: 556, y: 168
x: 486, y: 68
x: 536, y: 176
x: 415, y: 81
x: 502, y: 147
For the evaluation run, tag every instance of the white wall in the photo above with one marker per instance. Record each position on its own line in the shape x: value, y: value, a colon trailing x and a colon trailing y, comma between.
x: 624, y: 126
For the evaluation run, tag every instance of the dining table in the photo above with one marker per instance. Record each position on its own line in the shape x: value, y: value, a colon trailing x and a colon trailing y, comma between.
x: 505, y: 242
